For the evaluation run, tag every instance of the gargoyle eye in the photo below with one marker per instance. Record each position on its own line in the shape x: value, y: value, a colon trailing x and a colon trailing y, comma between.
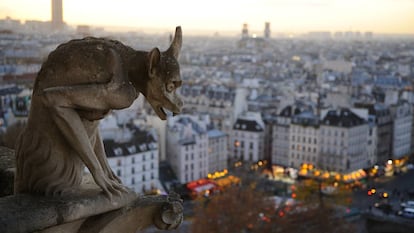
x: 170, y: 87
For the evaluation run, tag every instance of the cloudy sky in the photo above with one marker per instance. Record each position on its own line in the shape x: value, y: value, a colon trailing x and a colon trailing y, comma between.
x: 379, y: 16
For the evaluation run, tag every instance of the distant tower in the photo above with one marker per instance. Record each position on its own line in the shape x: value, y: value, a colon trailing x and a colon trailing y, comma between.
x: 57, y: 15
x: 245, y: 31
x: 267, y: 30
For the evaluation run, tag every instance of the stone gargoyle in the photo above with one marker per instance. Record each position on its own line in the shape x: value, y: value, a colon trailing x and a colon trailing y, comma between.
x: 79, y: 83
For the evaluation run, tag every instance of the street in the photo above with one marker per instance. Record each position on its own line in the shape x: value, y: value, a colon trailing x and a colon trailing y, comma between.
x: 399, y: 183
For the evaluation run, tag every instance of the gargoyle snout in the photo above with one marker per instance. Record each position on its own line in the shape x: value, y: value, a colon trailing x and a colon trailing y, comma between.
x: 180, y: 103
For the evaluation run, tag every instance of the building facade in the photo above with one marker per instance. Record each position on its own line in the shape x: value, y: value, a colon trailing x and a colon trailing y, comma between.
x: 304, y: 139
x: 343, y: 141
x: 187, y: 148
x: 380, y: 115
x: 217, y: 151
x: 248, y: 138
x: 402, y: 115
x: 135, y: 161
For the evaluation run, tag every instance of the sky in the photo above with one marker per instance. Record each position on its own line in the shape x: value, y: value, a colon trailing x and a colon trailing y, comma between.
x: 293, y: 16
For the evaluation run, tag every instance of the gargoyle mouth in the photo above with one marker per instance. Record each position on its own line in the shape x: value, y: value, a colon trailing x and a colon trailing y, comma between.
x: 164, y: 112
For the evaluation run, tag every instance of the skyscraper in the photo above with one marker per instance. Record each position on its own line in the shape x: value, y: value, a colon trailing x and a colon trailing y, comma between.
x: 57, y: 15
x: 267, y: 30
x: 245, y: 31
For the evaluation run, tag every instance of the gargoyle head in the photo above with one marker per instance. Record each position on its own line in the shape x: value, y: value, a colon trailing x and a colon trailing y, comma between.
x: 164, y: 78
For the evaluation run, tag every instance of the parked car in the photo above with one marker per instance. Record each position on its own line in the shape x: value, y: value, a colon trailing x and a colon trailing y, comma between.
x: 385, y: 207
x: 407, y: 213
x: 407, y: 204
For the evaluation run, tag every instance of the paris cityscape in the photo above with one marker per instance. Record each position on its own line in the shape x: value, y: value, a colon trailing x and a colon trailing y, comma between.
x: 276, y: 128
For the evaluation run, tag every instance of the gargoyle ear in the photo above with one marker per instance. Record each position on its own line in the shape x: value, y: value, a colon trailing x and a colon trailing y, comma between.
x: 175, y: 47
x: 154, y: 59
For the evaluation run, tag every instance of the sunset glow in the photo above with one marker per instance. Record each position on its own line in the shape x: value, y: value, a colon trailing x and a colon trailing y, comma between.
x: 378, y: 16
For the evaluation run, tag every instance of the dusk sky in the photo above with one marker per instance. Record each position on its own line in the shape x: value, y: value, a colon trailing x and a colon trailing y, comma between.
x: 378, y: 16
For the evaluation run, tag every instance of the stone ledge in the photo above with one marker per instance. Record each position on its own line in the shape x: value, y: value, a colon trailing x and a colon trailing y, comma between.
x: 7, y: 169
x: 27, y: 213
x: 89, y: 211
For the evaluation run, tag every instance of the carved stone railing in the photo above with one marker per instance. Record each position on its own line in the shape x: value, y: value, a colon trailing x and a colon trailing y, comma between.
x: 88, y: 210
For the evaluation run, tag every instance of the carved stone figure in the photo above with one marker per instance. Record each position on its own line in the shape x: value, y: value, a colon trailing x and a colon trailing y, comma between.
x: 78, y: 84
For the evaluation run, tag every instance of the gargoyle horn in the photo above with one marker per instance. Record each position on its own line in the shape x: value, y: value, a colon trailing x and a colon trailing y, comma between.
x: 175, y: 46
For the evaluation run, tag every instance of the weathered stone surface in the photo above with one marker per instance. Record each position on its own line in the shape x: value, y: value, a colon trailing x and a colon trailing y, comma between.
x: 27, y: 213
x: 79, y: 84
x: 7, y: 169
x: 88, y: 211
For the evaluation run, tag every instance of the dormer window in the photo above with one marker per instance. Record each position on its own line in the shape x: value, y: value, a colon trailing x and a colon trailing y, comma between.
x: 132, y: 149
x: 118, y: 151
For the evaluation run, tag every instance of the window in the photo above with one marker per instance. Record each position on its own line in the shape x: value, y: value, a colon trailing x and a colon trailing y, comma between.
x: 133, y: 180
x: 133, y: 170
x: 118, y: 172
x: 143, y: 177
x: 118, y: 162
x: 133, y: 160
x: 143, y: 167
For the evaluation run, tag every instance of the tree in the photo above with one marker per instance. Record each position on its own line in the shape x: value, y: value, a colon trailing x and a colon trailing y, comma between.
x: 322, y: 192
x: 243, y: 209
x: 237, y: 209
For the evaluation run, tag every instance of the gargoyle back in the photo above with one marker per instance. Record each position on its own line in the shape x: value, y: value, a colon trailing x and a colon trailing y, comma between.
x: 82, y: 61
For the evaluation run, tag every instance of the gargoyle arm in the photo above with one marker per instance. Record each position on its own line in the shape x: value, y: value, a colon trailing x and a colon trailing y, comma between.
x: 71, y: 126
x: 100, y: 154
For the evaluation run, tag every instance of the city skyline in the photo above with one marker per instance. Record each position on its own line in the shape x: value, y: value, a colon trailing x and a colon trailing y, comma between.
x: 295, y: 16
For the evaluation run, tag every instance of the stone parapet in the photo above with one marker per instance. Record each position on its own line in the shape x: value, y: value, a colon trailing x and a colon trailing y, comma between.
x: 84, y: 210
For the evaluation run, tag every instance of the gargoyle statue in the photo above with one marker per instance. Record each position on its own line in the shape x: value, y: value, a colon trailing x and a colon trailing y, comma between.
x: 78, y: 84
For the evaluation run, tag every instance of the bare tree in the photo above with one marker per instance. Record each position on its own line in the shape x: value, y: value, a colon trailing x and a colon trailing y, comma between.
x: 238, y: 209
x: 242, y: 209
